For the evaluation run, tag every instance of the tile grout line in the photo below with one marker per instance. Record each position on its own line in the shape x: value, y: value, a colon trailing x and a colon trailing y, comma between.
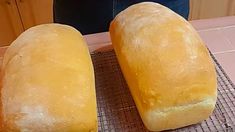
x: 221, y: 52
x: 215, y: 28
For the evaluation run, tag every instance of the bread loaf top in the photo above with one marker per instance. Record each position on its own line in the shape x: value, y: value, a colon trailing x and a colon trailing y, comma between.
x: 48, y: 81
x: 164, y: 59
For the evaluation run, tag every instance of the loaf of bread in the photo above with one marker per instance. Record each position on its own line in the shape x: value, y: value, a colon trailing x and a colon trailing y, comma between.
x: 166, y: 65
x: 48, y: 82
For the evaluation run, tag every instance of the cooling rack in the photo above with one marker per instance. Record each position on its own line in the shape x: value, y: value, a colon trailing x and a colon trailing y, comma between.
x: 117, y: 111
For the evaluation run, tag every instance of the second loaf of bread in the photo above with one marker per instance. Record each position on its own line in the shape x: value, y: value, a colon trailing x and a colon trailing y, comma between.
x: 166, y: 65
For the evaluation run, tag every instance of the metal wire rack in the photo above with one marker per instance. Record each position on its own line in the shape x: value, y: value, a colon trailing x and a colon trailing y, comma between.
x: 117, y: 111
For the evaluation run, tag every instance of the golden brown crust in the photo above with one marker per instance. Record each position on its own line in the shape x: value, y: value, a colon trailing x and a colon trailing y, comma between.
x: 165, y: 64
x: 48, y: 82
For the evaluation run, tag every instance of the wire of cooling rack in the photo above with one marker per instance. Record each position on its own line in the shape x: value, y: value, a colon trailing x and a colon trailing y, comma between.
x: 117, y: 111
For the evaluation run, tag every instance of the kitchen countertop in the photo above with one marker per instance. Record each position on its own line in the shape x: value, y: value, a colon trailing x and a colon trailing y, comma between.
x: 219, y: 36
x: 217, y: 33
